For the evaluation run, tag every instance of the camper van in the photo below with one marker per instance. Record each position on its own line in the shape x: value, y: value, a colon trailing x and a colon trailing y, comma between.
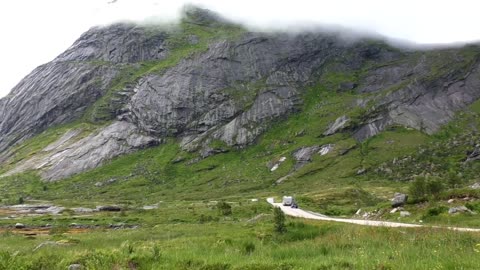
x: 288, y: 200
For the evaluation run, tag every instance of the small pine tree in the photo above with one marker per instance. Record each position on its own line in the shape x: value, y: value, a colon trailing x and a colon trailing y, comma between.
x: 279, y: 220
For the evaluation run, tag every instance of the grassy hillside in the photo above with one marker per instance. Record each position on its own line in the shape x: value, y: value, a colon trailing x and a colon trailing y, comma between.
x: 329, y: 184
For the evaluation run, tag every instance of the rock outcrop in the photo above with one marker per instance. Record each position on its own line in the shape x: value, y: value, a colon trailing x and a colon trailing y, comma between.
x: 231, y: 91
x: 62, y: 90
x: 70, y: 155
x: 339, y: 124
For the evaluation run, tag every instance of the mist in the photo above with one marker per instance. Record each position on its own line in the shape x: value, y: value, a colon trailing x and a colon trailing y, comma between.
x: 35, y: 32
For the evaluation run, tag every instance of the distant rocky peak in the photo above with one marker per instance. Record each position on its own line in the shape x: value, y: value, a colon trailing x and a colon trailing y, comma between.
x: 196, y: 15
x: 117, y: 43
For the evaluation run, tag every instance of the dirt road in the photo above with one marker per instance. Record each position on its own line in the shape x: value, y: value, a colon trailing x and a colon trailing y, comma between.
x: 297, y: 212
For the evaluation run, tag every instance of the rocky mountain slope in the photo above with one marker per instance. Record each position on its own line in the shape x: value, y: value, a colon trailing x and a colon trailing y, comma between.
x: 213, y: 87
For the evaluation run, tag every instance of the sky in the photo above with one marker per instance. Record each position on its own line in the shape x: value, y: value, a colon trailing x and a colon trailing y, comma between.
x: 36, y: 31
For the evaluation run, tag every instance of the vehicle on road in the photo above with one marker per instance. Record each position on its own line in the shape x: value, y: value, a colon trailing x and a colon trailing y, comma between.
x: 288, y: 201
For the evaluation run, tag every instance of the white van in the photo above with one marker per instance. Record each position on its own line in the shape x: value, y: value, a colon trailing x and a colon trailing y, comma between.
x: 288, y: 200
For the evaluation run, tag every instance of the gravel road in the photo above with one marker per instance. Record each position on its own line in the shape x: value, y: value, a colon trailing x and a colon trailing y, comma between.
x: 297, y: 212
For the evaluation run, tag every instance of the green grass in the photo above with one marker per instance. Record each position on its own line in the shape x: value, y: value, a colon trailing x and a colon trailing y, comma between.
x: 174, y: 239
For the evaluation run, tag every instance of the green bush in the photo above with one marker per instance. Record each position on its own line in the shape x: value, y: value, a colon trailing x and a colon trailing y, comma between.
x: 248, y: 248
x: 435, y: 211
x: 224, y: 208
x: 434, y: 187
x: 418, y: 189
x: 279, y: 220
x: 474, y: 206
x: 422, y: 189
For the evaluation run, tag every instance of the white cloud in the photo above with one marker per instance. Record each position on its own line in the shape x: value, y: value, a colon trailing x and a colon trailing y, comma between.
x: 35, y: 31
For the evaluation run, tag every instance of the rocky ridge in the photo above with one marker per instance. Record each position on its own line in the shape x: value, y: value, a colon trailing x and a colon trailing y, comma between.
x: 231, y: 91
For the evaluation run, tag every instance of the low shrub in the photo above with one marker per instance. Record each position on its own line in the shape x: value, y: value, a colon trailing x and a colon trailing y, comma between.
x: 435, y: 211
x: 248, y: 248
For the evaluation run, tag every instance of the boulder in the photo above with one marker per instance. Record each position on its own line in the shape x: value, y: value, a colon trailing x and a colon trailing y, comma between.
x: 475, y: 186
x: 75, y: 266
x: 405, y: 214
x: 19, y: 226
x: 399, y: 199
x: 361, y: 171
x: 459, y: 209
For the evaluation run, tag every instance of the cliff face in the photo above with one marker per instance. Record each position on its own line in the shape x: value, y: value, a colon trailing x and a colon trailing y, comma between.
x: 60, y: 91
x: 207, y: 80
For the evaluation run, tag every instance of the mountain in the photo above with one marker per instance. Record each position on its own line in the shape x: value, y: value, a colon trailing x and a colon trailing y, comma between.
x: 210, y: 87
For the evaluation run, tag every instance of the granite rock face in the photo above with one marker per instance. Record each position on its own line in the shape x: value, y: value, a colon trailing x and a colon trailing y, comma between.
x: 198, y: 96
x: 62, y: 90
x: 339, y: 124
x: 72, y: 154
x: 230, y: 92
x: 420, y: 103
x: 52, y: 94
x: 119, y: 43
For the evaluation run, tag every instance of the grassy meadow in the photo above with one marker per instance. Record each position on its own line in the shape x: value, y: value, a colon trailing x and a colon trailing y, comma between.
x: 199, y: 236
